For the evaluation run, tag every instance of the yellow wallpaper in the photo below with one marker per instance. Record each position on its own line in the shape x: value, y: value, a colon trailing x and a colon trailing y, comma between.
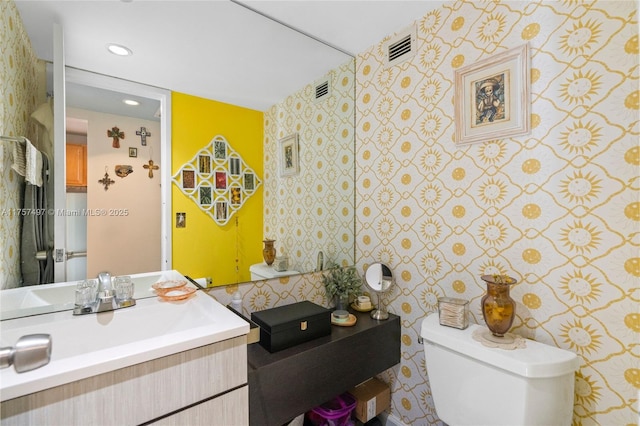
x: 203, y: 248
x: 558, y: 209
x: 19, y: 97
x: 313, y: 211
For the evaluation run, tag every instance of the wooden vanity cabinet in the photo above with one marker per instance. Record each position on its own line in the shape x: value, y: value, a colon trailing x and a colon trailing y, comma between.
x: 76, y: 165
x: 202, y: 386
x: 287, y: 383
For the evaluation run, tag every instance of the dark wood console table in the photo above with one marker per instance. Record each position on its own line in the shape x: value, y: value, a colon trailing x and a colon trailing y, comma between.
x: 285, y: 384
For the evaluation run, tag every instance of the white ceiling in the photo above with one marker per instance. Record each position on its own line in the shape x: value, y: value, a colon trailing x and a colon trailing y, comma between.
x: 217, y: 49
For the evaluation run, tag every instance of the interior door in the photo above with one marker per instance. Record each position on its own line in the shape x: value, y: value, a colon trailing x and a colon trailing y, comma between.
x: 59, y: 153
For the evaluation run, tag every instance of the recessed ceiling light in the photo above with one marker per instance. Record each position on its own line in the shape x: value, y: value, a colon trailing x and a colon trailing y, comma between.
x: 131, y: 102
x: 119, y: 50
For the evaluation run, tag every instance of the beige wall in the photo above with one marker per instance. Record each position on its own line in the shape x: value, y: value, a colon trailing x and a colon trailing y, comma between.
x: 119, y: 241
x: 565, y: 209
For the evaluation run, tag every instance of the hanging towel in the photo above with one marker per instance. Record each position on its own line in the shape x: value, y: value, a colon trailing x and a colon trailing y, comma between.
x: 33, y: 169
x: 19, y: 159
x: 3, y: 147
x: 35, y: 236
x: 43, y: 115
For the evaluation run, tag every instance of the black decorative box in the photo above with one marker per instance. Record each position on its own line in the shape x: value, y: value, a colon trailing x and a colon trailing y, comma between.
x: 289, y: 325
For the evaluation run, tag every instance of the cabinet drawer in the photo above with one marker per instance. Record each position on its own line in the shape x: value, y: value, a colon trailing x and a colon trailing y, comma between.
x: 229, y: 409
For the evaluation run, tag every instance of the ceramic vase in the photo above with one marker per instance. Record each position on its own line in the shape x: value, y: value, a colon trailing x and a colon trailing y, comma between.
x: 269, y: 252
x: 498, y: 308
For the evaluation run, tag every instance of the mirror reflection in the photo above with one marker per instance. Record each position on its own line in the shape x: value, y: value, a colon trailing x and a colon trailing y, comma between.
x: 128, y: 237
x: 310, y: 215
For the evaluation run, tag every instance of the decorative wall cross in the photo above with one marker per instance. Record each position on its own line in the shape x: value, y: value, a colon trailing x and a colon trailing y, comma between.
x: 143, y: 135
x: 151, y: 167
x: 116, y: 134
x: 106, y: 181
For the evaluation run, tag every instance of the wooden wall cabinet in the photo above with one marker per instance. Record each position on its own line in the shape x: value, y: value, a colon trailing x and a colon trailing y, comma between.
x: 76, y: 165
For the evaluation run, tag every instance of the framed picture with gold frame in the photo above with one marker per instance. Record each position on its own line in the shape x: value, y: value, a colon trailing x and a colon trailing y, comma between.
x: 492, y: 97
x: 289, y: 159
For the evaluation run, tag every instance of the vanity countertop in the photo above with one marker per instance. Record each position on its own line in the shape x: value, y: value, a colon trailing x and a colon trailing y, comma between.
x: 88, y: 345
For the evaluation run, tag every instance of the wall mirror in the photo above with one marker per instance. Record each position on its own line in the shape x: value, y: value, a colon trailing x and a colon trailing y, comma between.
x: 83, y: 80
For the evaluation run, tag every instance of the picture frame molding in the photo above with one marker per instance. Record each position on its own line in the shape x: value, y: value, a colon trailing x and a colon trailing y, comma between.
x: 513, y: 63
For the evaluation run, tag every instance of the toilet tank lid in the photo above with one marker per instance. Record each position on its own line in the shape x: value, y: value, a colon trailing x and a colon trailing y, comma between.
x: 537, y: 360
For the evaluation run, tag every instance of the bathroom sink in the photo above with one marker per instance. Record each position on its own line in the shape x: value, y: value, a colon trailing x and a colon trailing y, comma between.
x: 39, y: 299
x: 88, y: 345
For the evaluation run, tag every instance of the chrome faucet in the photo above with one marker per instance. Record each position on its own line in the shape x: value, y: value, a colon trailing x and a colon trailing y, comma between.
x: 103, y: 298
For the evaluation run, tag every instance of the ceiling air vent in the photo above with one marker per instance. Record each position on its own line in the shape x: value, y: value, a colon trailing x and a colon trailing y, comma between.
x: 323, y: 89
x: 401, y: 47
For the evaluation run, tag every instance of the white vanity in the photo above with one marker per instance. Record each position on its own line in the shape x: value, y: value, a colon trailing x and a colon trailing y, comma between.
x: 160, y: 362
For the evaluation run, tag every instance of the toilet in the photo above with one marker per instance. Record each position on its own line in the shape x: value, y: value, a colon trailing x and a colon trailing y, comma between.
x: 262, y: 271
x: 472, y: 384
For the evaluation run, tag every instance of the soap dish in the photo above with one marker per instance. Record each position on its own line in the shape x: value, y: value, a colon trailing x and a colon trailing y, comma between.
x: 177, y: 293
x: 166, y: 286
x: 355, y: 307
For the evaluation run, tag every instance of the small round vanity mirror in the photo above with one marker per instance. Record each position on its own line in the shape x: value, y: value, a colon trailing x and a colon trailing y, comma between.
x: 379, y: 278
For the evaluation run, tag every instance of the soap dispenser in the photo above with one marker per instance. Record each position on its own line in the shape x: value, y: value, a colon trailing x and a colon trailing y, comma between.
x: 236, y: 301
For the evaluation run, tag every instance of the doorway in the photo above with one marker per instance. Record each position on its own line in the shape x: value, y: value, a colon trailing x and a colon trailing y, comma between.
x: 127, y: 228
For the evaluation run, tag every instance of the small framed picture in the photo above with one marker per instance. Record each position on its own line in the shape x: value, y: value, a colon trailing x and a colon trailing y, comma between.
x: 204, y: 164
x: 181, y: 220
x: 492, y: 97
x: 205, y: 195
x: 220, y: 150
x: 133, y: 152
x: 249, y: 183
x: 221, y: 211
x: 188, y: 179
x: 221, y: 180
x: 289, y: 160
x: 236, y: 195
x: 234, y: 166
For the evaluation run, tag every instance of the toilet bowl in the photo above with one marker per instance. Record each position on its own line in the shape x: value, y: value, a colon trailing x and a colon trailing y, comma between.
x: 262, y: 271
x: 472, y: 384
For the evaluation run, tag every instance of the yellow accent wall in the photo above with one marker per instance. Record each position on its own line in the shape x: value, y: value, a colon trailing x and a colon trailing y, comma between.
x: 557, y: 208
x: 203, y: 248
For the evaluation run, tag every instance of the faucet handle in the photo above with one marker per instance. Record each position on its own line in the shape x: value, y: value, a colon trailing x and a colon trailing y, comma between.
x: 104, y: 282
x: 30, y: 352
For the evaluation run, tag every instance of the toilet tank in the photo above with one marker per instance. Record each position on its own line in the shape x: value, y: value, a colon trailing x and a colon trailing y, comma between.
x: 472, y: 384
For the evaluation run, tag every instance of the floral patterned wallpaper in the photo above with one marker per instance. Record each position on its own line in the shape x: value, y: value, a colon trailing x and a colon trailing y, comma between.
x: 313, y: 210
x: 558, y: 208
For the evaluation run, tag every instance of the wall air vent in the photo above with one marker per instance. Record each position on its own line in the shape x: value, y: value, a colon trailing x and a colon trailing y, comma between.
x: 401, y: 47
x: 322, y: 89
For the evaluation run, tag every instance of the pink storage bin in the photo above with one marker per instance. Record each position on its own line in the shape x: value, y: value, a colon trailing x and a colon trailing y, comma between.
x: 336, y: 412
